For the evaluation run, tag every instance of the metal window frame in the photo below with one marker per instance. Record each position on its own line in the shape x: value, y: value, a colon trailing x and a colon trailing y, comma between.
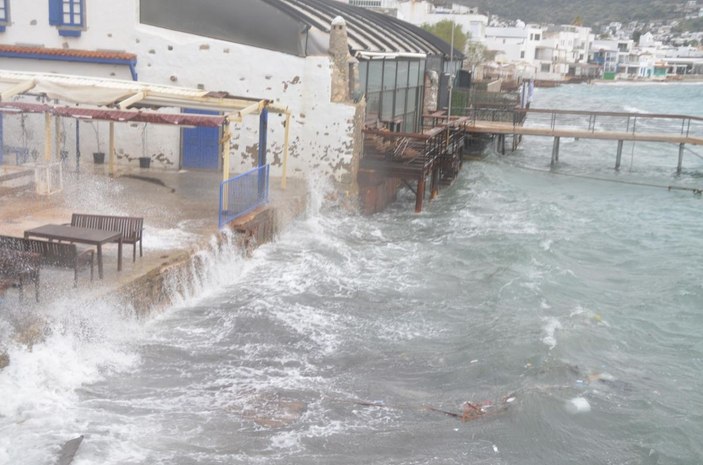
x: 71, y: 4
x: 5, y: 17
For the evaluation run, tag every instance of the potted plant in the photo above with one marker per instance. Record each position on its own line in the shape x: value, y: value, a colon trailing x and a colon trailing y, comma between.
x: 144, y: 160
x: 99, y: 156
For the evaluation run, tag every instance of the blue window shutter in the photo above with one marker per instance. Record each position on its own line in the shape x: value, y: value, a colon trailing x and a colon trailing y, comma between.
x: 55, y: 13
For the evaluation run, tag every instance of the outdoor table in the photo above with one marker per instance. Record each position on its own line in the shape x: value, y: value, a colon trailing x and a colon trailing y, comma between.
x: 97, y: 237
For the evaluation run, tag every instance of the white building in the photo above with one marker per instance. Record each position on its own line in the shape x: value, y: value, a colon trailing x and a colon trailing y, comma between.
x: 517, y: 45
x: 251, y: 48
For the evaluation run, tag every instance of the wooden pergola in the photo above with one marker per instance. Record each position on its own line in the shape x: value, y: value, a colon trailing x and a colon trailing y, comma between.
x: 115, y: 100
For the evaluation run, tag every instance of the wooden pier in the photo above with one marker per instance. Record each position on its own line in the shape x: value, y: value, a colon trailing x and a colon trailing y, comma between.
x: 436, y: 152
x: 616, y: 126
x: 411, y: 158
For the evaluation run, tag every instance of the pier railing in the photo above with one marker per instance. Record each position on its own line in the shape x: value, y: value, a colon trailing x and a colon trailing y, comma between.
x: 591, y: 121
x: 243, y: 193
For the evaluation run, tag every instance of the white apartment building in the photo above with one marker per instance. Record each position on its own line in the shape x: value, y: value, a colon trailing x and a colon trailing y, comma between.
x: 561, y: 48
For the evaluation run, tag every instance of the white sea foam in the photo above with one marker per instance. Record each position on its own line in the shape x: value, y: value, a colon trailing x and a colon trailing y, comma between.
x: 39, y: 387
x: 163, y: 239
x: 550, y: 328
x: 578, y: 405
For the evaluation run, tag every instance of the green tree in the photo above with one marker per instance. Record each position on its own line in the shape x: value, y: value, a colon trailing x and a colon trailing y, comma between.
x: 476, y: 53
x: 443, y: 30
x: 636, y: 36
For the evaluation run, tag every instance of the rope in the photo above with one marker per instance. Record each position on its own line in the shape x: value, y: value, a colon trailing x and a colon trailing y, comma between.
x: 694, y: 153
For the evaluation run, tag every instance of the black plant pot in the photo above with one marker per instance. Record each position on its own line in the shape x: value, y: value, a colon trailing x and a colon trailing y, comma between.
x: 98, y: 158
x: 144, y: 162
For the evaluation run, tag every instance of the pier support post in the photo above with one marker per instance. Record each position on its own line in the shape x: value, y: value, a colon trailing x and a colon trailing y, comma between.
x: 678, y: 166
x: 618, y: 157
x: 420, y: 193
x: 555, y: 151
x: 515, y: 142
x: 502, y: 144
x: 434, y: 183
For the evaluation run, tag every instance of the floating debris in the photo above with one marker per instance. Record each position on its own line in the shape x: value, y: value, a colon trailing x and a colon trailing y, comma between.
x: 68, y: 451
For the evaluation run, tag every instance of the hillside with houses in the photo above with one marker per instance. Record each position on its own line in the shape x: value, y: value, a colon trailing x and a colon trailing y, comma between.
x: 512, y: 49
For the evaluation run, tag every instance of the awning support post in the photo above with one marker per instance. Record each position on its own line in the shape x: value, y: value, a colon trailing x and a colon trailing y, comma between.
x: 47, y: 137
x: 112, y: 149
x: 263, y: 129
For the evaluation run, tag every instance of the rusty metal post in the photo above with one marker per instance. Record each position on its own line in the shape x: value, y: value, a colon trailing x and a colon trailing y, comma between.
x: 434, y: 183
x: 420, y: 193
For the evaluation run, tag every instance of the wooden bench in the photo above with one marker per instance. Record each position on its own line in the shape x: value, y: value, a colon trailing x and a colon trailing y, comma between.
x: 17, y: 267
x: 53, y: 253
x: 131, y: 227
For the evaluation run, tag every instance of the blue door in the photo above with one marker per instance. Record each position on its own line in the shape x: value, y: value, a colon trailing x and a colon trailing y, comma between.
x: 201, y: 146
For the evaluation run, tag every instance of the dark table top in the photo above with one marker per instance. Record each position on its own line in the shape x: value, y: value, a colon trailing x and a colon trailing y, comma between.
x: 60, y: 232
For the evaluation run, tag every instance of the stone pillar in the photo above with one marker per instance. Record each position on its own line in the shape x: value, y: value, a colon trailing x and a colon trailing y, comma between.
x: 345, y: 75
x: 431, y: 92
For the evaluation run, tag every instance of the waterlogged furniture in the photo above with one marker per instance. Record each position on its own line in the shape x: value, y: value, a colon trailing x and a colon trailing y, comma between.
x: 66, y: 233
x: 130, y: 227
x: 17, y: 268
x: 53, y: 253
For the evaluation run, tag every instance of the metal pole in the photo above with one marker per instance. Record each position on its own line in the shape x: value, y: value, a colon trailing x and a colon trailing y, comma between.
x: 78, y: 146
x: 263, y: 129
x: 678, y: 167
x: 555, y: 151
x: 451, y: 75
x: 618, y: 157
x: 286, y: 139
x: 112, y: 148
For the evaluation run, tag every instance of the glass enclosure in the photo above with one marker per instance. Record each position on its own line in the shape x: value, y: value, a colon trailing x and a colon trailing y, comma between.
x: 394, y: 91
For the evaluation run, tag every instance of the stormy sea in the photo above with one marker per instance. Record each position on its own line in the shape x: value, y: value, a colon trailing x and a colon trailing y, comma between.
x: 528, y: 315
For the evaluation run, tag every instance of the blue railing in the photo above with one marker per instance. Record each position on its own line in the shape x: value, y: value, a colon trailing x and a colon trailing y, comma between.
x: 243, y: 193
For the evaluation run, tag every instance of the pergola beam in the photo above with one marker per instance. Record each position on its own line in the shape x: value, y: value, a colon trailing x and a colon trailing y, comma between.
x: 129, y: 101
x: 19, y: 88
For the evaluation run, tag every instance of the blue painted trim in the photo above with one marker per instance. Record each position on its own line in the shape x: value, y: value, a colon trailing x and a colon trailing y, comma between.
x: 2, y: 28
x: 99, y: 61
x: 69, y: 32
x: 263, y: 129
x: 133, y: 70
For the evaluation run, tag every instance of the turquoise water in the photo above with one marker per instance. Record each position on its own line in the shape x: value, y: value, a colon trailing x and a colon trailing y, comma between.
x: 569, y: 308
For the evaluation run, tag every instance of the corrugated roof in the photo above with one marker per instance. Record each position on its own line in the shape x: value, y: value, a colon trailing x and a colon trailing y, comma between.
x: 368, y: 31
x: 67, y: 52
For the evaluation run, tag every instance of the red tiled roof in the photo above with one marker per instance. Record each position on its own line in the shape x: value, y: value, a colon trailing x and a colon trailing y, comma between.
x: 67, y: 52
